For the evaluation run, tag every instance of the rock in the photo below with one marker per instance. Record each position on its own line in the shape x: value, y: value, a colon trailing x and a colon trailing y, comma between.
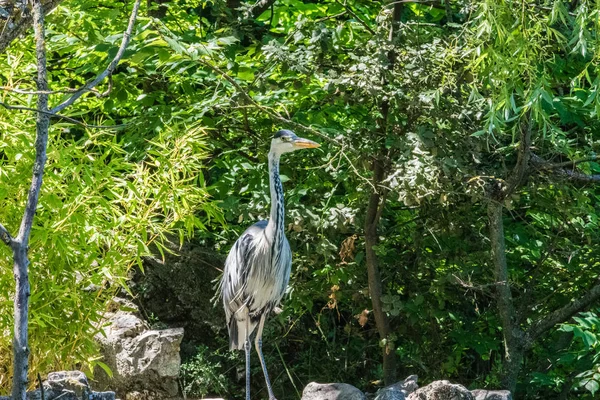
x: 73, y: 384
x: 331, y: 391
x: 67, y: 385
x: 178, y: 289
x: 481, y: 394
x: 390, y: 393
x: 402, y: 388
x: 102, y: 396
x: 441, y: 390
x: 144, y: 363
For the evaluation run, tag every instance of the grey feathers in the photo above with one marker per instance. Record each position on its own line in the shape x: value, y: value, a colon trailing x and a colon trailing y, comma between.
x: 257, y: 271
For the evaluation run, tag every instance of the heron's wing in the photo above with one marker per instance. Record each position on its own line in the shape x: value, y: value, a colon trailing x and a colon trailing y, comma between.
x: 238, y: 266
x: 239, y: 262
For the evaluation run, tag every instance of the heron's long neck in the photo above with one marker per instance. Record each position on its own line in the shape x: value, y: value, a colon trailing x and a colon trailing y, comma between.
x: 275, y: 226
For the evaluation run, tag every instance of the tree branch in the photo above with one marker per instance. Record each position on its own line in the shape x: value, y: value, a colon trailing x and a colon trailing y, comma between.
x: 559, y: 169
x: 578, y: 176
x: 432, y: 2
x: 480, y: 288
x: 111, y: 67
x: 562, y: 314
x: 5, y: 236
x: 21, y: 243
x: 570, y: 163
x: 519, y: 172
x: 260, y: 7
x: 51, y: 114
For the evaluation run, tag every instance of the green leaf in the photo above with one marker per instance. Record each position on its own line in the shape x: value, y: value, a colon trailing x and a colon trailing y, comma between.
x: 104, y: 367
x: 592, y: 386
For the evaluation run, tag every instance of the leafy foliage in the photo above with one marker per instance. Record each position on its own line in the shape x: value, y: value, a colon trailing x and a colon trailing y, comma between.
x: 203, y: 375
x: 445, y: 117
x: 99, y: 213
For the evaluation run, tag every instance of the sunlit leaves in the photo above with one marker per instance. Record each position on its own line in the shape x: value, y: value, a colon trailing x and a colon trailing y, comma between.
x: 100, y: 213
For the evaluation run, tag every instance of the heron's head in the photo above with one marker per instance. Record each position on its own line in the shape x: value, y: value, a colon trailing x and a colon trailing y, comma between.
x: 285, y: 141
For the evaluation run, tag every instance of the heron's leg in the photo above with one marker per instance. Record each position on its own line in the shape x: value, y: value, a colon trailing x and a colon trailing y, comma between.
x: 258, y: 344
x: 247, y: 350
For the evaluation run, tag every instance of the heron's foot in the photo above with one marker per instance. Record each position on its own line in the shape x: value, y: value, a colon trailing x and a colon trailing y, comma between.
x: 272, y: 398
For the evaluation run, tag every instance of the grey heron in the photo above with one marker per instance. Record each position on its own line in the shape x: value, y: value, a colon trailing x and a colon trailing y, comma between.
x: 257, y: 269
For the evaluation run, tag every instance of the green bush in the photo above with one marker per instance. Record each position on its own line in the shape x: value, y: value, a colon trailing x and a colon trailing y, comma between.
x: 203, y: 374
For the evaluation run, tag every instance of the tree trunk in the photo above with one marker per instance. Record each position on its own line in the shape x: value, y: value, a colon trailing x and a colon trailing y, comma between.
x: 21, y: 306
x: 21, y: 243
x: 374, y: 209
x: 514, y: 337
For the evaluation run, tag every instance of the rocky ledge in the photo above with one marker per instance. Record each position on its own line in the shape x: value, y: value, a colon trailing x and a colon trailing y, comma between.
x: 407, y: 389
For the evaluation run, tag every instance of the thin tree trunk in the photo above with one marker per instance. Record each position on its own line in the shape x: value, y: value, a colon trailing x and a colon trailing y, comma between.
x: 518, y: 339
x: 21, y: 243
x: 514, y: 337
x: 374, y: 209
x: 20, y: 339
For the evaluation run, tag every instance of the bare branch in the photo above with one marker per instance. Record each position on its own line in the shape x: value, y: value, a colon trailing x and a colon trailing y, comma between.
x: 54, y: 115
x: 544, y: 324
x: 480, y: 288
x: 5, y: 236
x: 560, y: 170
x: 23, y: 91
x: 111, y: 67
x: 570, y: 163
x: 21, y: 242
x: 578, y: 176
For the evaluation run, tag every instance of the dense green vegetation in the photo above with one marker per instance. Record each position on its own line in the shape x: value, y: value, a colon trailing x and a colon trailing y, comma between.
x: 447, y: 227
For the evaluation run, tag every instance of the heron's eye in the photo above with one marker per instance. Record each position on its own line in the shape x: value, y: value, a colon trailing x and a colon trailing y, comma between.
x: 286, y: 138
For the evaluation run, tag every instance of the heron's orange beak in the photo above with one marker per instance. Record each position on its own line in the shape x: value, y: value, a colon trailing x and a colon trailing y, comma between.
x: 306, y: 144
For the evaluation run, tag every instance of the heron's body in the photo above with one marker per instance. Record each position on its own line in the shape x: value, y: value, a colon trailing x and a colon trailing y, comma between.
x: 257, y: 288
x: 257, y: 269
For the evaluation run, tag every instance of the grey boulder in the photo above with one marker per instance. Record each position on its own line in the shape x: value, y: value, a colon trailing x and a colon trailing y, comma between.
x: 481, y: 394
x: 390, y: 393
x: 441, y: 390
x: 66, y: 385
x: 331, y: 391
x: 399, y: 390
x: 144, y: 363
